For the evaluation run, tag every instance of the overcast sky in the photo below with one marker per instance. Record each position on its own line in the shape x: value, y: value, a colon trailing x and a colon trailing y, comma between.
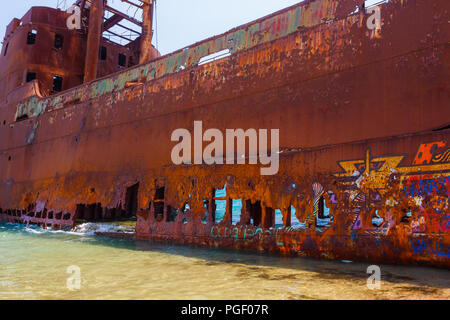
x: 179, y: 22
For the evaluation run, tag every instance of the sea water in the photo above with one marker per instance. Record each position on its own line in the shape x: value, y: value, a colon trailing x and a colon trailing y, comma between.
x: 34, y: 264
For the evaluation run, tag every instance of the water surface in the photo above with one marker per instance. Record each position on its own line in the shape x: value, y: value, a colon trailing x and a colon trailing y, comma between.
x: 33, y: 265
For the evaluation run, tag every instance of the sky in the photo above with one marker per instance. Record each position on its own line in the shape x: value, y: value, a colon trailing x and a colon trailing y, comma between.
x: 180, y: 23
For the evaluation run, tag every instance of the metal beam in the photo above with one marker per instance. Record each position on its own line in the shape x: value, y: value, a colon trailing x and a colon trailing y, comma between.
x: 111, y: 22
x: 118, y: 35
x: 129, y: 29
x: 127, y: 17
x: 93, y: 41
x: 132, y: 3
x: 147, y: 32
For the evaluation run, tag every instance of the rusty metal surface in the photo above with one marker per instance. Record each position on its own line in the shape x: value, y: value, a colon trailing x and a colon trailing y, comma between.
x: 94, y: 38
x: 43, y: 218
x: 45, y: 60
x: 147, y: 32
x: 363, y: 118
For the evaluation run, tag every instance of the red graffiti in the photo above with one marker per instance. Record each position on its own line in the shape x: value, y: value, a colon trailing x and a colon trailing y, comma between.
x: 426, y: 151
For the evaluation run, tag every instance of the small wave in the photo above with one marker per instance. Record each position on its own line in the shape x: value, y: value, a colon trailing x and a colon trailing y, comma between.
x: 93, y: 228
x: 35, y: 231
x: 85, y: 229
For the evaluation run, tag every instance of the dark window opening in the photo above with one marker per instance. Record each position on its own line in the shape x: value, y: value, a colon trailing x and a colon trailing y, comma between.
x: 321, y: 213
x: 122, y: 60
x: 95, y: 212
x: 22, y: 117
x: 59, y: 41
x: 57, y: 83
x: 159, y: 203
x: 90, y: 212
x: 160, y: 193
x: 131, y: 201
x: 212, y: 206
x: 269, y: 218
x: 79, y: 212
x: 254, y: 212
x: 323, y: 210
x: 171, y: 214
x: 6, y: 49
x: 31, y: 76
x: 31, y: 38
x: 103, y: 53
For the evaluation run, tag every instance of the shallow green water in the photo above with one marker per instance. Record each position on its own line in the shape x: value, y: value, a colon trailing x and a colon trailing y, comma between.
x: 33, y: 265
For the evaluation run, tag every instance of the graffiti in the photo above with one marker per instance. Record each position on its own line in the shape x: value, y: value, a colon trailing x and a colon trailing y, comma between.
x: 241, y: 233
x: 416, y: 187
x: 427, y: 153
x: 433, y: 222
x: 248, y: 233
x: 367, y: 182
x: 424, y: 247
x: 318, y: 192
x: 442, y: 157
x: 369, y: 173
x: 357, y: 224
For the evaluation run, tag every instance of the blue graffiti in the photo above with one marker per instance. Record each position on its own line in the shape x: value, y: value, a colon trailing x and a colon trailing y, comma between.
x: 425, y: 247
x: 426, y: 187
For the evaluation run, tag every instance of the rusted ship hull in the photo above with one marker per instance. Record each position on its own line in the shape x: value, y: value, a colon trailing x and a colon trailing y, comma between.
x: 363, y: 118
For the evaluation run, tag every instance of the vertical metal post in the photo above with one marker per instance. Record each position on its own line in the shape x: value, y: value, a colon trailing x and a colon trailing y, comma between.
x: 93, y: 41
x: 147, y: 31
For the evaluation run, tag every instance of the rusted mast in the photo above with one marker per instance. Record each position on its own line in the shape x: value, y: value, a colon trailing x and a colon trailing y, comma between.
x: 93, y: 41
x: 147, y: 31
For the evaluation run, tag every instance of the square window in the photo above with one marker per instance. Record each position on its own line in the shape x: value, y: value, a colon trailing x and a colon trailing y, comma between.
x: 122, y: 60
x: 103, y: 53
x: 31, y: 76
x: 31, y: 38
x: 59, y: 41
x: 57, y: 83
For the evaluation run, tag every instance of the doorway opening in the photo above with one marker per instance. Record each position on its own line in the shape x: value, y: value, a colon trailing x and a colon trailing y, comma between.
x: 131, y: 201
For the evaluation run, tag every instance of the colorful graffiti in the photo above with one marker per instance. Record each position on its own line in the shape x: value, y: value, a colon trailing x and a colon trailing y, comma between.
x: 378, y: 182
x: 422, y: 247
x: 428, y: 153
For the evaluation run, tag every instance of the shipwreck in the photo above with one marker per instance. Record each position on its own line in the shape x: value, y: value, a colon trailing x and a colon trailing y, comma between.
x: 359, y: 93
